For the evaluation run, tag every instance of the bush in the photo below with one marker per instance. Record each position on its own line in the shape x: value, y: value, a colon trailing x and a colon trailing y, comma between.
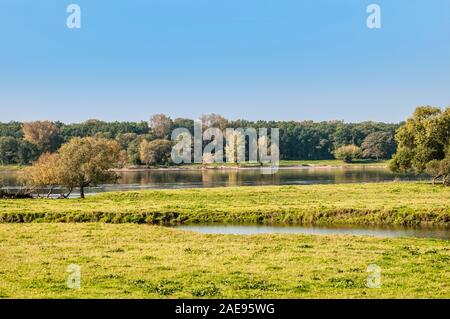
x: 348, y: 153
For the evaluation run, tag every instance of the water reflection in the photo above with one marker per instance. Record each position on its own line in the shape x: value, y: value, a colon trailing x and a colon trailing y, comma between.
x: 246, y: 177
x: 172, y: 179
x: 419, y: 232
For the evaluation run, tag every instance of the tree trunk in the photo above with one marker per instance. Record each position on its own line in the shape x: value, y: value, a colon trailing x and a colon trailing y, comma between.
x: 50, y: 192
x: 68, y: 193
x: 82, y: 191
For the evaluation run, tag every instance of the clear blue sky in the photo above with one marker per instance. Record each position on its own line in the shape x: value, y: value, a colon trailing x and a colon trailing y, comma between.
x: 252, y: 59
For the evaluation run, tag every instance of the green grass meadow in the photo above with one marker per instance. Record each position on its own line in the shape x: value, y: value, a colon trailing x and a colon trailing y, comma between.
x: 142, y: 261
x: 395, y: 203
x: 123, y: 254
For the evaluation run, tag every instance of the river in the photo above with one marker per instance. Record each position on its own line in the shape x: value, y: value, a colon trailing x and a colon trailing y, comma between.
x: 197, y: 178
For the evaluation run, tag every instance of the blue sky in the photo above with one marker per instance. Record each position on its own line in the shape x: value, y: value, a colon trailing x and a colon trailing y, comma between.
x: 252, y: 59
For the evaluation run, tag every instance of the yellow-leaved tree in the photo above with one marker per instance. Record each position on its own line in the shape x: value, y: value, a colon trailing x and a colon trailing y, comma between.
x: 80, y: 163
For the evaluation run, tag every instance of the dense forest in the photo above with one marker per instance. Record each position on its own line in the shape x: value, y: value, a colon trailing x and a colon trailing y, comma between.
x: 23, y: 143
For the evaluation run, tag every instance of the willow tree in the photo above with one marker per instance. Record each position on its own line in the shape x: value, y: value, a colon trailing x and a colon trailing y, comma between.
x: 88, y: 161
x: 45, y: 172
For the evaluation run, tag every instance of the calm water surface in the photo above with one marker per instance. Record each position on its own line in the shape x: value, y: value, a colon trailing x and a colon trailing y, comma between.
x: 173, y: 179
x: 420, y: 232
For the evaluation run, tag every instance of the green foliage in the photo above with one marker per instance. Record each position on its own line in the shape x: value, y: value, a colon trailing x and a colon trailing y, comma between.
x: 125, y: 139
x: 348, y: 153
x: 8, y: 150
x: 133, y: 149
x: 423, y: 139
x: 26, y: 152
x: 11, y: 129
x: 92, y: 127
x: 82, y: 162
x: 304, y: 140
x: 402, y: 161
x: 184, y: 123
x: 379, y: 145
x: 16, y: 151
x: 87, y: 162
x: 156, y: 152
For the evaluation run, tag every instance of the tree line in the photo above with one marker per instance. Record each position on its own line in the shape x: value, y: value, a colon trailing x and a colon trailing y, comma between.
x: 423, y: 145
x: 149, y: 142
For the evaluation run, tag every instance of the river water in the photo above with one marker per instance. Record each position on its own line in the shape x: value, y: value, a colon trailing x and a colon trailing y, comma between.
x: 174, y: 179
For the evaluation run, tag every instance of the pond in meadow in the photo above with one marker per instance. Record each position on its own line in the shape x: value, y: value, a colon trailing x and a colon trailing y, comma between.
x: 418, y: 232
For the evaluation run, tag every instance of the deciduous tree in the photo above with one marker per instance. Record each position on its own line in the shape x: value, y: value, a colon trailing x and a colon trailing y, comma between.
x: 156, y: 152
x: 213, y: 120
x: 379, y: 145
x: 439, y: 169
x: 160, y: 125
x: 45, y: 172
x: 44, y: 134
x: 88, y: 162
x: 8, y: 150
x: 424, y: 137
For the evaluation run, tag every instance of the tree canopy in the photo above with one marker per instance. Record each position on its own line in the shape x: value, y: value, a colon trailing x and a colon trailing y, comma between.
x: 423, y: 138
x: 43, y: 134
x: 299, y: 140
x: 81, y: 162
x: 156, y: 152
x: 161, y: 125
x: 379, y: 145
x: 87, y: 162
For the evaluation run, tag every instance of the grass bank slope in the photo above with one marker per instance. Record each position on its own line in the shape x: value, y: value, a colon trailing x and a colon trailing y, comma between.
x: 376, y: 203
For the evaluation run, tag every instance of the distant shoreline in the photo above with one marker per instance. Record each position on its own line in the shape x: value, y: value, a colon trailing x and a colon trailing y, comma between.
x: 234, y: 168
x: 319, y: 164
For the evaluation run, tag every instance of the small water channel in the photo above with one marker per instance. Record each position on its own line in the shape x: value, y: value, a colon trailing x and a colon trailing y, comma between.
x: 383, y: 232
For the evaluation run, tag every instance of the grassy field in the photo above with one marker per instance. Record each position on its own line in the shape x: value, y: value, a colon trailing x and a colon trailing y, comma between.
x: 397, y: 203
x: 142, y: 261
x: 11, y: 167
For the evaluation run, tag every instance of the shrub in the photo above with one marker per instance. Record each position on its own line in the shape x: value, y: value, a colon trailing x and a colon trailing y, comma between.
x: 348, y: 153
